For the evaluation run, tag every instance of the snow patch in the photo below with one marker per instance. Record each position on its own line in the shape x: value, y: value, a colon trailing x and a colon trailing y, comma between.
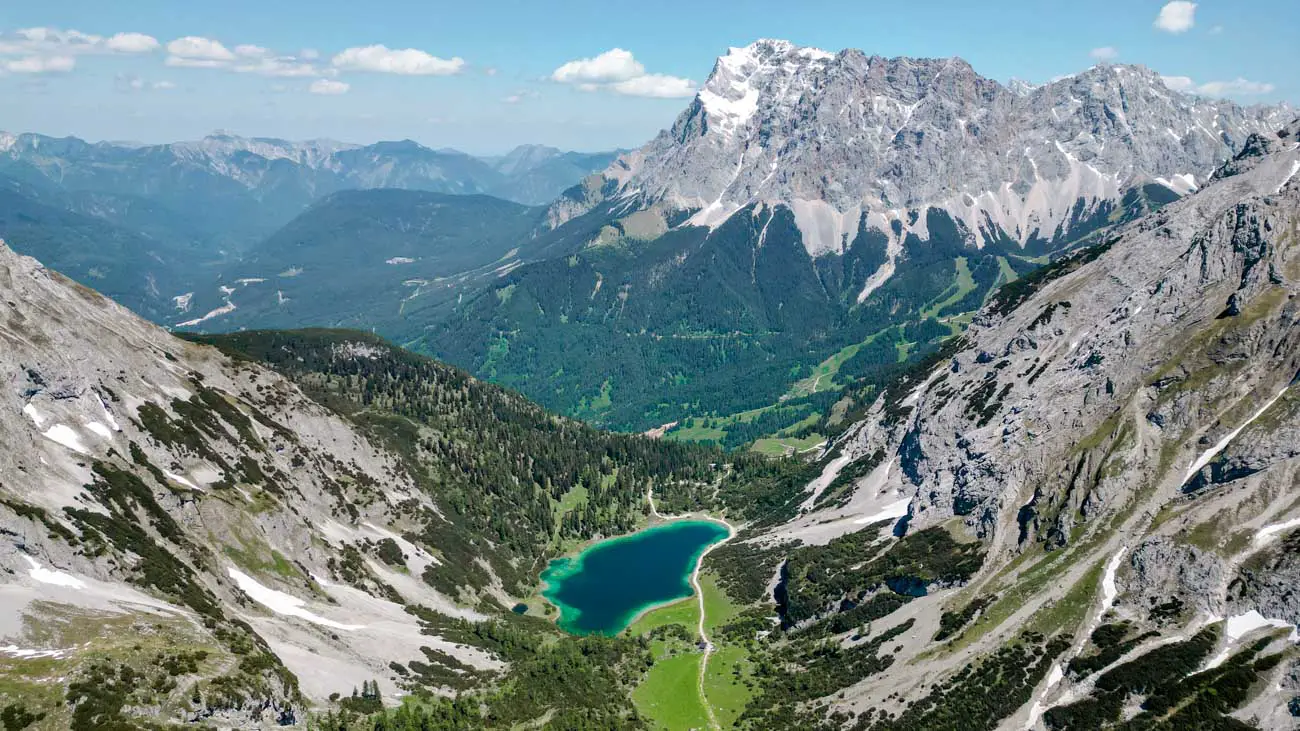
x: 25, y: 654
x: 400, y: 260
x: 108, y: 415
x: 184, y: 482
x: 99, y: 429
x: 891, y: 511
x: 1054, y: 676
x: 67, y: 436
x: 713, y: 214
x: 1109, y: 591
x: 828, y: 475
x: 1243, y: 624
x: 183, y: 301
x: 730, y: 98
x: 283, y: 604
x: 1180, y: 183
x: 225, y: 309
x: 1223, y: 443
x: 35, y: 415
x: 1295, y: 168
x: 1269, y: 532
x: 54, y: 578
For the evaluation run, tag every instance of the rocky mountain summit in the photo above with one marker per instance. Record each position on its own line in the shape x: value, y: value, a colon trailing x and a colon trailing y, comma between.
x: 811, y: 212
x: 849, y: 141
x: 1117, y: 431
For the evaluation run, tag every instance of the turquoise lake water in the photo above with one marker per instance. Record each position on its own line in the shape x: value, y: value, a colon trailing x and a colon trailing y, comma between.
x: 602, y: 589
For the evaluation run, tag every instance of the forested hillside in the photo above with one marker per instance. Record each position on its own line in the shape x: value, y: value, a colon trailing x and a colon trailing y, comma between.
x: 514, y: 482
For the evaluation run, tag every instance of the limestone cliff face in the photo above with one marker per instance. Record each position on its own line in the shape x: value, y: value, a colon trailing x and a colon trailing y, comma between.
x: 1119, y: 376
x: 849, y: 141
x: 1129, y: 412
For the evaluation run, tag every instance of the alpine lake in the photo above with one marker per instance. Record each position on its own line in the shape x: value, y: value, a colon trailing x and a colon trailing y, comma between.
x: 608, y: 585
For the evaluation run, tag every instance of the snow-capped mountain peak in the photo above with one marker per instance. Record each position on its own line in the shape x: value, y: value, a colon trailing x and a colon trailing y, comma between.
x: 848, y: 140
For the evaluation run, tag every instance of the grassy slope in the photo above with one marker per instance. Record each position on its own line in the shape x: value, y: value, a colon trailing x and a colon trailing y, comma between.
x: 669, y: 694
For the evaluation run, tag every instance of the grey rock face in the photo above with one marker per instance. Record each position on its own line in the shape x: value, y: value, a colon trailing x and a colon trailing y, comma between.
x: 848, y: 139
x: 1163, y: 569
x: 1124, y: 425
x: 1137, y: 354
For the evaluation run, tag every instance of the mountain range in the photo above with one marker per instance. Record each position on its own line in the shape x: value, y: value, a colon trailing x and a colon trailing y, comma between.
x: 1079, y: 512
x: 810, y: 223
x: 811, y: 219
x: 186, y: 212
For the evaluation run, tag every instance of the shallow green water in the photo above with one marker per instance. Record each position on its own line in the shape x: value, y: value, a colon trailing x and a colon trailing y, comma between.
x: 602, y: 589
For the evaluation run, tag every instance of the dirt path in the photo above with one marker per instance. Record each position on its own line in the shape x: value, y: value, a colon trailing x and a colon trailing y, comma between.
x: 699, y: 595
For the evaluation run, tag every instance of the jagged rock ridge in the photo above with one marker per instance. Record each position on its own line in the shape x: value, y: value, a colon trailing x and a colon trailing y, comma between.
x: 848, y: 141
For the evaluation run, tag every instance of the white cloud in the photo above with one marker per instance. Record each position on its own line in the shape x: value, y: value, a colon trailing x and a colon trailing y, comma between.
x: 279, y: 66
x: 609, y: 67
x: 329, y: 87
x: 205, y: 53
x: 309, y: 54
x: 1105, y: 54
x: 250, y: 51
x: 66, y: 38
x: 40, y: 64
x: 406, y: 61
x: 658, y: 86
x: 618, y: 71
x: 57, y: 42
x: 520, y: 96
x: 132, y: 43
x: 1236, y: 87
x: 1216, y: 30
x: 131, y: 83
x: 1177, y: 17
x: 198, y: 48
x: 180, y: 62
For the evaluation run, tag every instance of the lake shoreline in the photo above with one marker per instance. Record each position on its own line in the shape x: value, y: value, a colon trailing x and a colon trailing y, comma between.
x: 574, y: 563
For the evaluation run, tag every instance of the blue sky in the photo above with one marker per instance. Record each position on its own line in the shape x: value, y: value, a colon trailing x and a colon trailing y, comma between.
x: 484, y: 76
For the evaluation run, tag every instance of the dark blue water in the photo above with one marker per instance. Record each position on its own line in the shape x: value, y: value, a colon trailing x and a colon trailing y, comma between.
x: 602, y: 589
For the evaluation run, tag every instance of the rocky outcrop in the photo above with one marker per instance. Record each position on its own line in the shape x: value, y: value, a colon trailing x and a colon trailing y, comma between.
x: 1147, y: 371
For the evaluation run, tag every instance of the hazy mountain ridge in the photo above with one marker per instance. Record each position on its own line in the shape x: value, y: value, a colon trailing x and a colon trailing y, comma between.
x: 318, y: 167
x: 188, y: 212
x: 367, y: 258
